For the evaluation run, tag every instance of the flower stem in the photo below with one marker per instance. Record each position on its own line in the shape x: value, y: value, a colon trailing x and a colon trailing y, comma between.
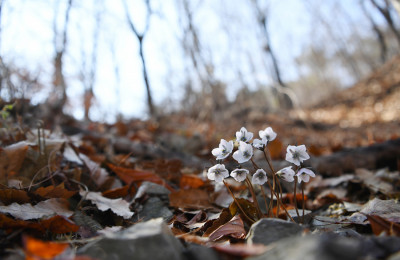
x: 274, y: 178
x: 271, y: 203
x: 304, y: 201
x: 238, y: 204
x: 295, y: 196
x: 265, y: 199
x: 253, y: 194
x: 284, y: 208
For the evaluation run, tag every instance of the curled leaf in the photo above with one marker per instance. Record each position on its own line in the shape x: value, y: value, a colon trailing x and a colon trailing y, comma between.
x: 234, y: 228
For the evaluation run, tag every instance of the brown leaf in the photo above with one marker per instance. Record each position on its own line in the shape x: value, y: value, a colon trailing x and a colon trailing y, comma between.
x: 11, y: 158
x: 379, y: 225
x: 131, y: 175
x: 37, y: 249
x: 56, y: 225
x: 234, y: 228
x: 59, y: 225
x: 55, y: 192
x: 224, y: 217
x: 8, y: 196
x: 190, y: 199
x: 329, y: 196
x: 190, y: 181
x: 246, y: 205
x: 119, y: 192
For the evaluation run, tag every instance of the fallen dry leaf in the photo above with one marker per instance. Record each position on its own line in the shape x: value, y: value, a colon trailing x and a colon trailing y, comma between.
x: 388, y: 209
x: 8, y: 196
x: 36, y: 249
x: 246, y: 205
x: 118, y: 206
x: 11, y: 158
x: 234, y: 228
x: 59, y: 225
x: 131, y: 175
x: 55, y: 192
x: 119, y: 192
x: 56, y: 225
x: 190, y: 199
x: 190, y: 181
x: 43, y: 209
x: 380, y: 225
x: 223, y: 218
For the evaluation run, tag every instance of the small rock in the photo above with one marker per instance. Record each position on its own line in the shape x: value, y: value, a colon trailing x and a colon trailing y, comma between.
x: 148, y: 240
x: 154, y: 207
x: 152, y: 189
x: 269, y: 230
x: 199, y: 252
x: 330, y: 246
x: 311, y: 247
x: 307, y: 215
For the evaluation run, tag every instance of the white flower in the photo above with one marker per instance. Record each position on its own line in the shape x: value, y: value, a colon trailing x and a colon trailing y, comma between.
x: 217, y: 173
x: 286, y: 173
x: 224, y: 149
x: 304, y: 175
x: 259, y: 144
x: 239, y: 174
x: 244, y: 153
x: 268, y: 134
x: 296, y: 154
x: 260, y: 177
x: 243, y: 135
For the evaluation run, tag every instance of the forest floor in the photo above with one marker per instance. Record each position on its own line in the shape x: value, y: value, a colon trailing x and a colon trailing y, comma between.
x: 65, y: 191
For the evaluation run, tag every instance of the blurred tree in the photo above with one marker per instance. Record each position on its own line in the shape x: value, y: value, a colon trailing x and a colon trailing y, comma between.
x: 59, y: 96
x: 140, y: 38
x: 262, y: 18
x: 384, y: 9
x: 89, y: 64
x: 212, y: 96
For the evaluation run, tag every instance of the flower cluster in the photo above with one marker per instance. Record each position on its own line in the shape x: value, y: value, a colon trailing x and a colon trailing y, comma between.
x: 244, y: 153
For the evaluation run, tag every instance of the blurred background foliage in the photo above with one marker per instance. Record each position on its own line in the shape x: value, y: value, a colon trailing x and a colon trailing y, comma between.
x: 103, y: 60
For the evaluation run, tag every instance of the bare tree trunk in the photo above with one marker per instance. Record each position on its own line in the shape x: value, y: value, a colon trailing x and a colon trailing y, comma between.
x: 90, y: 80
x: 379, y: 35
x: 385, y: 11
x: 341, y: 45
x: 213, y: 96
x: 60, y: 43
x: 284, y: 99
x: 140, y: 38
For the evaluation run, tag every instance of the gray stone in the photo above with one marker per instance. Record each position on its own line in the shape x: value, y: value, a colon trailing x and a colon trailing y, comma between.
x: 312, y: 247
x: 307, y: 215
x: 269, y: 230
x: 330, y: 246
x: 148, y: 240
x: 152, y: 189
x: 154, y: 207
x: 199, y: 252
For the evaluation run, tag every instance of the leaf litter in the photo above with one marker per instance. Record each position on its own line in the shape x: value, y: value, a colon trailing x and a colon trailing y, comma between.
x: 65, y: 189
